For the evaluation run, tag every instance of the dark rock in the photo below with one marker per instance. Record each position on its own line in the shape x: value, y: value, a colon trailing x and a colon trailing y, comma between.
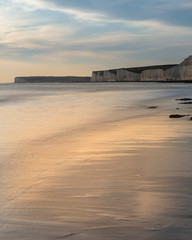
x: 152, y: 107
x: 190, y: 119
x: 185, y: 103
x: 183, y: 99
x: 177, y: 108
x: 177, y: 116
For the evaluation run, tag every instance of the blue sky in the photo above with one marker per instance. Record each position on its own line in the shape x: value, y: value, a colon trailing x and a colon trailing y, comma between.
x: 75, y: 37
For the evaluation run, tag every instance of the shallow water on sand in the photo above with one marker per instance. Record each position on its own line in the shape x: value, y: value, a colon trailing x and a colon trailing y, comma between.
x: 93, y: 161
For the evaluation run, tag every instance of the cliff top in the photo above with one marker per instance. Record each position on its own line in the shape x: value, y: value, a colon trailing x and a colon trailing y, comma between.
x: 140, y: 69
x: 187, y: 62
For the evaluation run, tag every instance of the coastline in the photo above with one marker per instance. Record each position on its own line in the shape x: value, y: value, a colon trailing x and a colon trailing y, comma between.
x: 92, y: 82
x: 157, y: 73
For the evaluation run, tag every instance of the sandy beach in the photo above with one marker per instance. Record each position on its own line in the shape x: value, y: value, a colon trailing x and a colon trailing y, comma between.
x: 96, y: 161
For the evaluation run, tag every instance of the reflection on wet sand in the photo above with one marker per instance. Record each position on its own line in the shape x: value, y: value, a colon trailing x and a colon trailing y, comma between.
x: 123, y: 179
x: 95, y: 162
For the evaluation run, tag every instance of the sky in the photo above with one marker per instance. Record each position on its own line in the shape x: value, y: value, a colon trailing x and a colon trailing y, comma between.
x: 76, y: 37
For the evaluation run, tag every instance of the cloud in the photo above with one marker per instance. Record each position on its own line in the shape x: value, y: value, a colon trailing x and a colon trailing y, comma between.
x: 104, y: 34
x: 31, y: 5
x: 37, y: 37
x: 172, y: 12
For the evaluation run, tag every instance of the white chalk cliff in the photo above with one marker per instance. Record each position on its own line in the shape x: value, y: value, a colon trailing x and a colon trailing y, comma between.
x: 171, y: 72
x: 152, y: 75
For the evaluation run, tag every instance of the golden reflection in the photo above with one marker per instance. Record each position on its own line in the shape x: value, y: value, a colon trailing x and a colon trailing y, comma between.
x: 87, y: 167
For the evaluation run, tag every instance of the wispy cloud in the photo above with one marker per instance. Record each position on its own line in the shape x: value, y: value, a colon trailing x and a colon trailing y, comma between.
x: 122, y: 10
x: 31, y: 5
x: 37, y: 37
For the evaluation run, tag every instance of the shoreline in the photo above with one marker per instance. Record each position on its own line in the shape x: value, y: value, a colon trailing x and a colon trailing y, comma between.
x: 92, y: 82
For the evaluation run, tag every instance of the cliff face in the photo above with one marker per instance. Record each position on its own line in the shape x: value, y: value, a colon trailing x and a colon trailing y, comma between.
x: 185, y: 68
x: 127, y: 76
x: 181, y: 72
x: 173, y: 72
x: 69, y: 79
x: 118, y: 75
x: 153, y: 75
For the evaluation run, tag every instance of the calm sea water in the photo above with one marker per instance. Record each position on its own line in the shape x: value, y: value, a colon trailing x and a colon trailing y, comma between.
x: 93, y: 161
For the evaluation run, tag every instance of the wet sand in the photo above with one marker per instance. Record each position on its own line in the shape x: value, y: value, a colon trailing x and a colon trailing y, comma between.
x: 125, y: 177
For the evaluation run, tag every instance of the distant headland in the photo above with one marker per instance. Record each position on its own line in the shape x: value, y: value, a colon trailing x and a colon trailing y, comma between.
x: 52, y: 79
x: 159, y: 73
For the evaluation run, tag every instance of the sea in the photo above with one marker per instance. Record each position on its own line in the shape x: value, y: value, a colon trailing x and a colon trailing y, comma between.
x: 97, y: 161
